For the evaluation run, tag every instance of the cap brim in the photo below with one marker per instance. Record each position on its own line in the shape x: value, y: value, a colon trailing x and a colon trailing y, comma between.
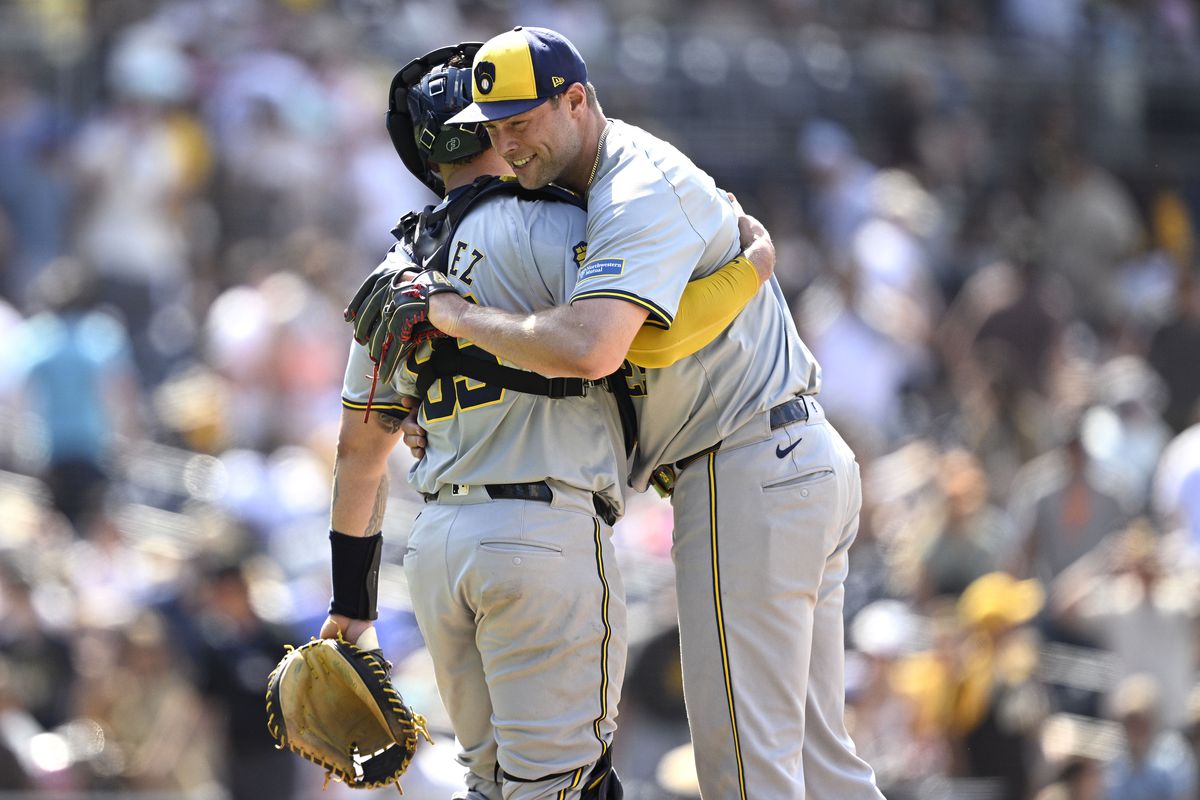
x: 486, y: 112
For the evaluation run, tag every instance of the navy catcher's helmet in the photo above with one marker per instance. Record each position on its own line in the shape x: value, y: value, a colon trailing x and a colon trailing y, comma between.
x: 424, y: 94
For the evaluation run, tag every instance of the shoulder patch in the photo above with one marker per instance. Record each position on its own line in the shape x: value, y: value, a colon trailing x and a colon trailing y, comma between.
x: 580, y: 254
x: 604, y: 266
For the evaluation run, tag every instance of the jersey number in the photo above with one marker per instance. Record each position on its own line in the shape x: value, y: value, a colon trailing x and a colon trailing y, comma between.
x: 635, y: 378
x: 449, y: 395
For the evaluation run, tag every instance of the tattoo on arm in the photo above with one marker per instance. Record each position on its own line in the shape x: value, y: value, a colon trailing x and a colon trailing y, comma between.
x: 380, y: 506
x: 388, y: 422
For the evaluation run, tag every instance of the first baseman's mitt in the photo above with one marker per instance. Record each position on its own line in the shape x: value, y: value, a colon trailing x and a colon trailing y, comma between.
x: 333, y: 703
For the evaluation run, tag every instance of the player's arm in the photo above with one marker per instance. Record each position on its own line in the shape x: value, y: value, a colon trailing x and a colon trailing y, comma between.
x: 360, y: 474
x: 359, y: 500
x: 587, y: 339
x: 708, y: 305
x: 371, y: 427
x: 592, y: 336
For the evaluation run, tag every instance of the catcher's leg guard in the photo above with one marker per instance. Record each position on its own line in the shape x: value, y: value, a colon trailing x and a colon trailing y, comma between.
x: 602, y: 782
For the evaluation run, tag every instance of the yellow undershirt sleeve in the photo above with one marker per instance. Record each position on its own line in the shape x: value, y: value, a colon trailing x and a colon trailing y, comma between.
x: 706, y: 308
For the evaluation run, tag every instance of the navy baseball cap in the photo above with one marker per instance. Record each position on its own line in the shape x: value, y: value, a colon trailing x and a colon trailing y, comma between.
x: 518, y: 71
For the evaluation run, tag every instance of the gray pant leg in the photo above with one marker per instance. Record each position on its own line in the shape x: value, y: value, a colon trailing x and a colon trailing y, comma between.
x: 431, y: 565
x: 547, y: 612
x: 831, y: 766
x: 752, y: 537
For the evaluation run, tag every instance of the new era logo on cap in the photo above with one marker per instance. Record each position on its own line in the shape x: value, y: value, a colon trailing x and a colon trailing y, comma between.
x: 518, y: 71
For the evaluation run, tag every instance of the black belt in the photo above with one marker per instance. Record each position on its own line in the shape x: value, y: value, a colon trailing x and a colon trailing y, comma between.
x: 538, y: 492
x: 794, y: 410
x: 663, y: 478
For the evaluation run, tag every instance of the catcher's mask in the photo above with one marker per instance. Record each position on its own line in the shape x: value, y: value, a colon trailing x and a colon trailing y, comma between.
x: 424, y: 94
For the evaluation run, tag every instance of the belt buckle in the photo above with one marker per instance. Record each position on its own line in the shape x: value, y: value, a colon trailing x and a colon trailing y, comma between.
x: 556, y: 388
x: 460, y: 489
x: 663, y: 480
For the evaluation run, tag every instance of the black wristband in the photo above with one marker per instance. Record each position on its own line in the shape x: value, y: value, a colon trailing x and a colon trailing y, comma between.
x: 355, y: 574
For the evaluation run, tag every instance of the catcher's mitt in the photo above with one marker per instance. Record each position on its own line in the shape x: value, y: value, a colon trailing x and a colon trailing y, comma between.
x: 333, y: 703
x: 403, y: 320
x: 364, y: 312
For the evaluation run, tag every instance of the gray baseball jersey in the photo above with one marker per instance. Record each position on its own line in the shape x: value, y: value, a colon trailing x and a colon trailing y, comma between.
x: 762, y: 525
x: 655, y: 221
x: 520, y: 256
x: 520, y: 602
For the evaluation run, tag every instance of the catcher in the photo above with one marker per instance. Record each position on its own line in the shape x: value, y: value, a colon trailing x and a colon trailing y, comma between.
x: 510, y: 566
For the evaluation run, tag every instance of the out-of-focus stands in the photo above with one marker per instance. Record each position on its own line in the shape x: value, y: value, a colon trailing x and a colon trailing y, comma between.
x: 985, y: 216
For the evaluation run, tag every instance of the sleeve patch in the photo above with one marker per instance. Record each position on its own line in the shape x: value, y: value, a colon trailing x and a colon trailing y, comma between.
x: 604, y: 266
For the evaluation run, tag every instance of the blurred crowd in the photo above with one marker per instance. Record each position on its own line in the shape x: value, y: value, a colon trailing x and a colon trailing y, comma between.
x: 986, y: 221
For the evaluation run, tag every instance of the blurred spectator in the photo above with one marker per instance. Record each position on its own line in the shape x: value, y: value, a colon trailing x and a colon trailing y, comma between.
x: 1094, y: 226
x: 1125, y: 432
x: 1064, y: 505
x: 840, y: 200
x: 275, y: 130
x: 17, y: 729
x: 150, y: 713
x: 237, y: 650
x: 869, y: 346
x: 38, y: 657
x: 1078, y: 779
x: 970, y: 535
x: 1156, y: 764
x: 1007, y: 314
x: 1125, y: 597
x: 1172, y: 353
x: 34, y: 192
x: 998, y: 702
x: 976, y: 686
x: 884, y: 722
x: 1176, y: 491
x: 1057, y: 28
x: 79, y: 380
x: 113, y: 576
x: 140, y: 163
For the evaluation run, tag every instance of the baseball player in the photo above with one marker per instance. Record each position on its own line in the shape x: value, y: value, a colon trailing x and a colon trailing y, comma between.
x: 766, y: 493
x: 510, y: 565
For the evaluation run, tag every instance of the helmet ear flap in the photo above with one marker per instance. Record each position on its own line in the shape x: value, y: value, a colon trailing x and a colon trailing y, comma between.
x: 399, y: 123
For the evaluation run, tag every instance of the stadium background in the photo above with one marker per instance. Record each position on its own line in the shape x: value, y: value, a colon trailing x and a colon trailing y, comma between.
x: 985, y: 214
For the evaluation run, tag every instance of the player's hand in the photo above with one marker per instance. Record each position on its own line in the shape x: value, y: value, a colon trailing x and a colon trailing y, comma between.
x: 757, y: 246
x: 414, y: 435
x: 349, y: 629
x: 445, y: 311
x: 755, y: 240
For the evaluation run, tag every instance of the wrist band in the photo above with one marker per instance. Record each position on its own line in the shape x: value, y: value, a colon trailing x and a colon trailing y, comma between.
x: 355, y: 561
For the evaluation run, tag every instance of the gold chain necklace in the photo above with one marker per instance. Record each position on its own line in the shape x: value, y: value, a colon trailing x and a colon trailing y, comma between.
x: 599, y: 149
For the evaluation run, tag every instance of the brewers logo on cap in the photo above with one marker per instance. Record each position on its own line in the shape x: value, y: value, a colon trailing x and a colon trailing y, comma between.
x: 485, y: 76
x: 519, y: 70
